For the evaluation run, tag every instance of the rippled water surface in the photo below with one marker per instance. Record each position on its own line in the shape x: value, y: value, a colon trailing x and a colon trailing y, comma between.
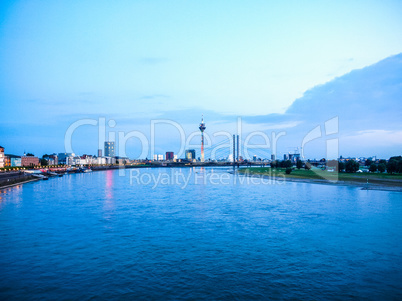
x: 98, y: 236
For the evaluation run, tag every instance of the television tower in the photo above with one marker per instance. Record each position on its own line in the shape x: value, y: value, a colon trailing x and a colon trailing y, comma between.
x: 202, y: 129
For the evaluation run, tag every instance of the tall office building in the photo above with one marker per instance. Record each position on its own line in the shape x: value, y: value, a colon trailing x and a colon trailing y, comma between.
x: 109, y: 149
x: 190, y: 154
x: 99, y: 153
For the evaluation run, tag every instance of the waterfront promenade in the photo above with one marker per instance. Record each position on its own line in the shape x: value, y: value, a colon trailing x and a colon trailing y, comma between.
x: 12, y: 178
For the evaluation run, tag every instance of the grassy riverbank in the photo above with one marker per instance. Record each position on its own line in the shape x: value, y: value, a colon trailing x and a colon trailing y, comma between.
x: 323, y: 176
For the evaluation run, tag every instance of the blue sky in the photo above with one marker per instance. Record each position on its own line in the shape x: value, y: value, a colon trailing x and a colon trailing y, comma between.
x: 140, y: 60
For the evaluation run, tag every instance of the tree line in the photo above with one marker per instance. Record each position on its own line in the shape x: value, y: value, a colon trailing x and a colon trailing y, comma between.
x: 394, y: 165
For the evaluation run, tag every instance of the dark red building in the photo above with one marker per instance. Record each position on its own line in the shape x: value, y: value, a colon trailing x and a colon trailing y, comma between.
x: 169, y: 156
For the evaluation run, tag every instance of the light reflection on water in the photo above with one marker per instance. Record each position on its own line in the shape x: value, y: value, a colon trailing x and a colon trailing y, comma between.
x: 96, y: 236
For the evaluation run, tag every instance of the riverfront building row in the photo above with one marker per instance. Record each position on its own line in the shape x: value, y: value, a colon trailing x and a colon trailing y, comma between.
x: 9, y: 160
x: 72, y: 159
x: 29, y: 160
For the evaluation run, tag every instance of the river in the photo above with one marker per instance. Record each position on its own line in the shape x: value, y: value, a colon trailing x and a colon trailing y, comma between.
x: 197, y: 233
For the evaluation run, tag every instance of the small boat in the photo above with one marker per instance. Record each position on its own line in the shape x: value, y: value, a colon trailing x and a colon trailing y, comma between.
x: 88, y: 170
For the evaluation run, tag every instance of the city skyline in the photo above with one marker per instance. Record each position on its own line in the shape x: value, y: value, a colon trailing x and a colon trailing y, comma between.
x: 132, y: 63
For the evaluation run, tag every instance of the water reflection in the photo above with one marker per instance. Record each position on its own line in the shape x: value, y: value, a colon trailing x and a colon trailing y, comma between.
x: 15, y: 192
x: 109, y: 200
x: 201, y: 175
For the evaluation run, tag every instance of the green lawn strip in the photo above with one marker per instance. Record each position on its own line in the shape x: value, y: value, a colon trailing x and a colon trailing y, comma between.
x: 318, y: 174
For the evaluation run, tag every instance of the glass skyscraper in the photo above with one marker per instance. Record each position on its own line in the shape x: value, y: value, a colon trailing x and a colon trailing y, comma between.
x: 109, y: 149
x: 190, y: 154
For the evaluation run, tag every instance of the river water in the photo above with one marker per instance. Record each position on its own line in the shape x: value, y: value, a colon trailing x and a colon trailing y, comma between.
x: 163, y: 234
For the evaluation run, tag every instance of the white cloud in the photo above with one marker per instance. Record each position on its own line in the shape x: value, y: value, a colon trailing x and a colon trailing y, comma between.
x: 373, y: 137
